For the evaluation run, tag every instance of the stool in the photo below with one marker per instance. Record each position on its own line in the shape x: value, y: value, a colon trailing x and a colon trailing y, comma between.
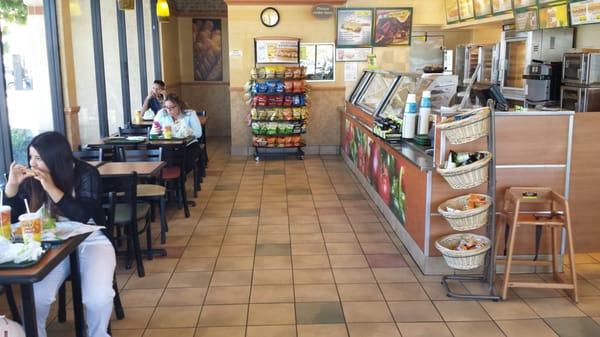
x: 543, y: 208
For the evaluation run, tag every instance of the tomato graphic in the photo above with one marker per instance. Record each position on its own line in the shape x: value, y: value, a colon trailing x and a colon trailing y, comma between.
x: 375, y: 163
x: 384, y: 185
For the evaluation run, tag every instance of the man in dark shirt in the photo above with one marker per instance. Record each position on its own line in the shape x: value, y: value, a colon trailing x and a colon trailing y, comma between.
x: 155, y: 97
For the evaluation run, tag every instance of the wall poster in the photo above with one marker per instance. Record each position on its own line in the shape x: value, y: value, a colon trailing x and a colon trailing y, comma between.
x: 501, y: 6
x: 554, y: 16
x: 526, y: 19
x: 482, y: 8
x: 207, y: 50
x: 392, y: 26
x: 352, y: 54
x: 277, y: 50
x: 452, y: 11
x: 524, y: 3
x: 584, y: 12
x: 354, y: 27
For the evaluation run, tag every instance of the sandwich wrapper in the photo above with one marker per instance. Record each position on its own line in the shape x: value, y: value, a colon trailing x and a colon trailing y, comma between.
x: 148, y: 115
x: 19, y: 252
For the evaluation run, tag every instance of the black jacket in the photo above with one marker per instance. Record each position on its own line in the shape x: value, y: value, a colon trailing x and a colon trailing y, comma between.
x: 85, y: 205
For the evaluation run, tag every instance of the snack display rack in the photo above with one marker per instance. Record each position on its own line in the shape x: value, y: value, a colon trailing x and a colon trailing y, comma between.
x: 489, y: 263
x: 279, y: 110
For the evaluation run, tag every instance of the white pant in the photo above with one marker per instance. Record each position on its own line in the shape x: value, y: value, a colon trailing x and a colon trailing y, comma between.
x: 96, y: 265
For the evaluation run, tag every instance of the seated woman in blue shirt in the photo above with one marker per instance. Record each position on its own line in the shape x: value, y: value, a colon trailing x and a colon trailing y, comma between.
x: 184, y: 123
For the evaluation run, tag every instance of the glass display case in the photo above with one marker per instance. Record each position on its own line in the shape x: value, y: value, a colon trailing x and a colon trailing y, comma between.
x: 360, y: 86
x: 375, y: 91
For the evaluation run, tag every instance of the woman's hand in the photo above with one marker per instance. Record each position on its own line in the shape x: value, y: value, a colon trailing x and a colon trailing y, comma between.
x: 48, y: 184
x: 17, y: 174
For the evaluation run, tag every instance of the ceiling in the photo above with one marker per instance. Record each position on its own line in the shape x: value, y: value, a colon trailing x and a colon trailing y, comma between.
x: 197, y: 5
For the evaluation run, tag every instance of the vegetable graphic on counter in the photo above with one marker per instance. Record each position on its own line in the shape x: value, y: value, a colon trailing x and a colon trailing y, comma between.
x: 383, y: 187
x: 375, y: 163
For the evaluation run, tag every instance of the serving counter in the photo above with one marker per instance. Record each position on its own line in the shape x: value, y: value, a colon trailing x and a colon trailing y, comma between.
x: 533, y: 148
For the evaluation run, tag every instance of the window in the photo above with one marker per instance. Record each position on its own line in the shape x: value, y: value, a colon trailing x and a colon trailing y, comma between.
x: 318, y: 58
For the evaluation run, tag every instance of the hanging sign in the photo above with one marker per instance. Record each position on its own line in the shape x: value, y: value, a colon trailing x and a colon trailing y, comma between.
x: 323, y: 11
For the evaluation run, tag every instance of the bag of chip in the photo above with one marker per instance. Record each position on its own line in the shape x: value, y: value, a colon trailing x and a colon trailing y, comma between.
x: 289, y: 72
x: 289, y: 86
x: 280, y: 71
x: 298, y: 86
x: 269, y: 72
x: 271, y: 86
x: 298, y: 73
x: 280, y: 87
x: 253, y: 73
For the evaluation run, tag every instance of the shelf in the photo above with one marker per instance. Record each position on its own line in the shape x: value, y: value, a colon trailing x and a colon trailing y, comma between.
x: 278, y: 120
x: 278, y: 134
x: 474, y: 24
x: 277, y: 106
x: 279, y: 147
x: 278, y: 79
x: 277, y: 93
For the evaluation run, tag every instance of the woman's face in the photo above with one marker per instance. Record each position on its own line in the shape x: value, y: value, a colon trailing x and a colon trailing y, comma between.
x: 173, y: 109
x: 36, y: 161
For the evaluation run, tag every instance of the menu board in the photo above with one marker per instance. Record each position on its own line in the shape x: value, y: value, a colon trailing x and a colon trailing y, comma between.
x: 392, y: 26
x: 482, y: 8
x: 524, y: 3
x: 554, y: 16
x: 501, y: 6
x: 277, y: 50
x: 354, y: 27
x: 465, y: 9
x: 352, y: 54
x: 452, y: 11
x: 585, y: 12
x: 526, y: 20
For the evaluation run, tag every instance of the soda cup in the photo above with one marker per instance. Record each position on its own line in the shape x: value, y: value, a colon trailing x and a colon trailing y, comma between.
x: 138, y: 117
x: 31, y: 226
x: 168, y: 132
x: 5, y: 221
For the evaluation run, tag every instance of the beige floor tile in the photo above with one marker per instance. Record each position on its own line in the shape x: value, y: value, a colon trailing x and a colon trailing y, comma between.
x: 340, y: 238
x: 271, y: 314
x: 201, y: 251
x: 589, y: 305
x: 483, y: 329
x: 461, y: 311
x: 151, y: 281
x: 228, y: 295
x: 175, y: 317
x: 271, y: 331
x: 160, y: 265
x: 343, y: 248
x: 316, y: 293
x: 414, y: 311
x: 140, y: 297
x: 359, y: 292
x: 403, y: 292
x: 424, y: 330
x: 353, y: 275
x: 231, y: 278
x: 554, y: 307
x: 311, y: 228
x: 366, y: 312
x: 512, y: 308
x: 437, y: 292
x: 526, y: 328
x: 190, y: 280
x: 373, y: 330
x: 223, y: 315
x: 176, y: 332
x: 272, y: 277
x: 195, y: 264
x: 322, y: 330
x: 182, y: 296
x: 379, y: 248
x: 394, y: 275
x: 234, y: 263
x: 306, y: 238
x: 273, y: 229
x: 272, y: 262
x: 115, y: 333
x: 272, y: 294
x: 233, y: 331
x: 310, y: 261
x: 237, y: 250
x: 348, y: 261
x: 308, y: 249
x: 137, y: 318
x: 273, y: 238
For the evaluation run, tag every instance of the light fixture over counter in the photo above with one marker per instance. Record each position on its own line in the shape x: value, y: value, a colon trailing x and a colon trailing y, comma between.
x: 162, y: 10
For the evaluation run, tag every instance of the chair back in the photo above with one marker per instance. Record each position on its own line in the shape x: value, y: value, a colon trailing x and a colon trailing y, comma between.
x: 133, y: 131
x: 121, y: 190
x: 175, y: 155
x: 134, y: 155
x: 89, y: 154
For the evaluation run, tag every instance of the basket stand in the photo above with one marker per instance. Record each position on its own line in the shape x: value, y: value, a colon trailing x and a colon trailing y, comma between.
x: 489, y: 267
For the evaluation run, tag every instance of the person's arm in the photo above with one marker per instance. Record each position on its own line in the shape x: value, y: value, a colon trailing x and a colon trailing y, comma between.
x: 87, y: 201
x: 16, y: 203
x: 146, y: 104
x: 195, y: 125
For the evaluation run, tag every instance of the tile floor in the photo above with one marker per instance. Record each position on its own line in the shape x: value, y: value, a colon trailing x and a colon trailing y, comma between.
x: 289, y: 248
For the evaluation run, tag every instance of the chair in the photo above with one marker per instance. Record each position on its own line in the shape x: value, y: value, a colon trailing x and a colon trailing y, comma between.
x: 10, y: 299
x: 196, y: 164
x: 202, y: 113
x: 125, y: 211
x: 89, y: 154
x: 149, y: 192
x: 133, y: 131
x: 174, y: 172
x: 544, y: 208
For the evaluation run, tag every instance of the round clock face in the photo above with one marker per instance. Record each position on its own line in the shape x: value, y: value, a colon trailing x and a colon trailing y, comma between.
x: 269, y: 17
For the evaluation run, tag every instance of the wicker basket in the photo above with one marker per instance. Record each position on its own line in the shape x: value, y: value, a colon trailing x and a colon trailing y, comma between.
x: 466, y: 130
x: 465, y: 220
x: 467, y: 176
x: 463, y: 260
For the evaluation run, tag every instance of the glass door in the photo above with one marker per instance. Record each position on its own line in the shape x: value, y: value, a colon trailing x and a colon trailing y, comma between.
x: 27, y: 77
x: 516, y: 57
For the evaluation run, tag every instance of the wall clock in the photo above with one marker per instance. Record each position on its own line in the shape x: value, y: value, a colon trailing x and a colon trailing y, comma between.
x: 269, y: 17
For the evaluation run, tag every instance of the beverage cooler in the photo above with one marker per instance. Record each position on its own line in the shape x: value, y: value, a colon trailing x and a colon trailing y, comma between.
x: 519, y: 49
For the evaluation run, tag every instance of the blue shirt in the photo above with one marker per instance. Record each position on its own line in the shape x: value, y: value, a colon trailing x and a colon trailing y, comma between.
x: 154, y: 104
x: 187, y: 118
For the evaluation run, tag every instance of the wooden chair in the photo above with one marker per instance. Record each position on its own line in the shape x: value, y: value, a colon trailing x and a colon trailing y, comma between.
x: 538, y: 206
x: 149, y: 191
x: 89, y: 154
x: 174, y: 172
x: 133, y: 131
x: 10, y: 299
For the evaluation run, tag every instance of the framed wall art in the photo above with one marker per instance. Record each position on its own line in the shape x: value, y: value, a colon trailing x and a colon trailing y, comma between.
x: 277, y: 50
x: 452, y: 11
x: 354, y: 27
x: 393, y: 26
x: 352, y: 54
x: 207, y: 50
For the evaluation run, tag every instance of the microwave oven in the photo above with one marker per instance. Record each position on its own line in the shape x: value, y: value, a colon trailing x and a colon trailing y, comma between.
x: 580, y: 99
x: 581, y: 69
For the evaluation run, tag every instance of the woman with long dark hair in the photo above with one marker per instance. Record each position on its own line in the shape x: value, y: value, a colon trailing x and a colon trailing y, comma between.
x: 68, y: 188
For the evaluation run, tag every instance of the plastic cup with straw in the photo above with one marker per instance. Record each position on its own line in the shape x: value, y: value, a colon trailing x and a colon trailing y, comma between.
x: 31, y: 225
x: 4, y: 217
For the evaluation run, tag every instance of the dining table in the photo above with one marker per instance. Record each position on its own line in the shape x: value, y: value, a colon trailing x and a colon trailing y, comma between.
x: 27, y: 276
x: 146, y: 123
x: 144, y: 169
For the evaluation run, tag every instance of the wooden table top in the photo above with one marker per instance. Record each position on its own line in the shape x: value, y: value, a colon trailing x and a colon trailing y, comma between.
x: 94, y: 163
x: 39, y: 270
x: 142, y: 168
x: 202, y: 119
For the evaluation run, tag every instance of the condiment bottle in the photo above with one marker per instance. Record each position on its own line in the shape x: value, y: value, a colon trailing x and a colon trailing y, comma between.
x: 410, y: 117
x: 424, y: 111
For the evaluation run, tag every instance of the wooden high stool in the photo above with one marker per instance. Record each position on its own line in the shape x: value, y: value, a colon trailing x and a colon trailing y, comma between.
x: 538, y: 206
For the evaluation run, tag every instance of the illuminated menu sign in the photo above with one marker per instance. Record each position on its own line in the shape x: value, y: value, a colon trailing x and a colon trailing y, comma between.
x: 585, y: 12
x: 452, y: 11
x: 526, y: 20
x: 524, y: 3
x: 482, y: 7
x: 554, y: 16
x: 465, y: 9
x: 501, y: 6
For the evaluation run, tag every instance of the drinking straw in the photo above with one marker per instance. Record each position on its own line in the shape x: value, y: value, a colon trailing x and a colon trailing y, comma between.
x: 27, y: 206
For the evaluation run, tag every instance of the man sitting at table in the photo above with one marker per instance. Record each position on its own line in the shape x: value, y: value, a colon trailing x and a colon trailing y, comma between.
x: 154, y: 101
x: 70, y: 189
x: 184, y: 123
